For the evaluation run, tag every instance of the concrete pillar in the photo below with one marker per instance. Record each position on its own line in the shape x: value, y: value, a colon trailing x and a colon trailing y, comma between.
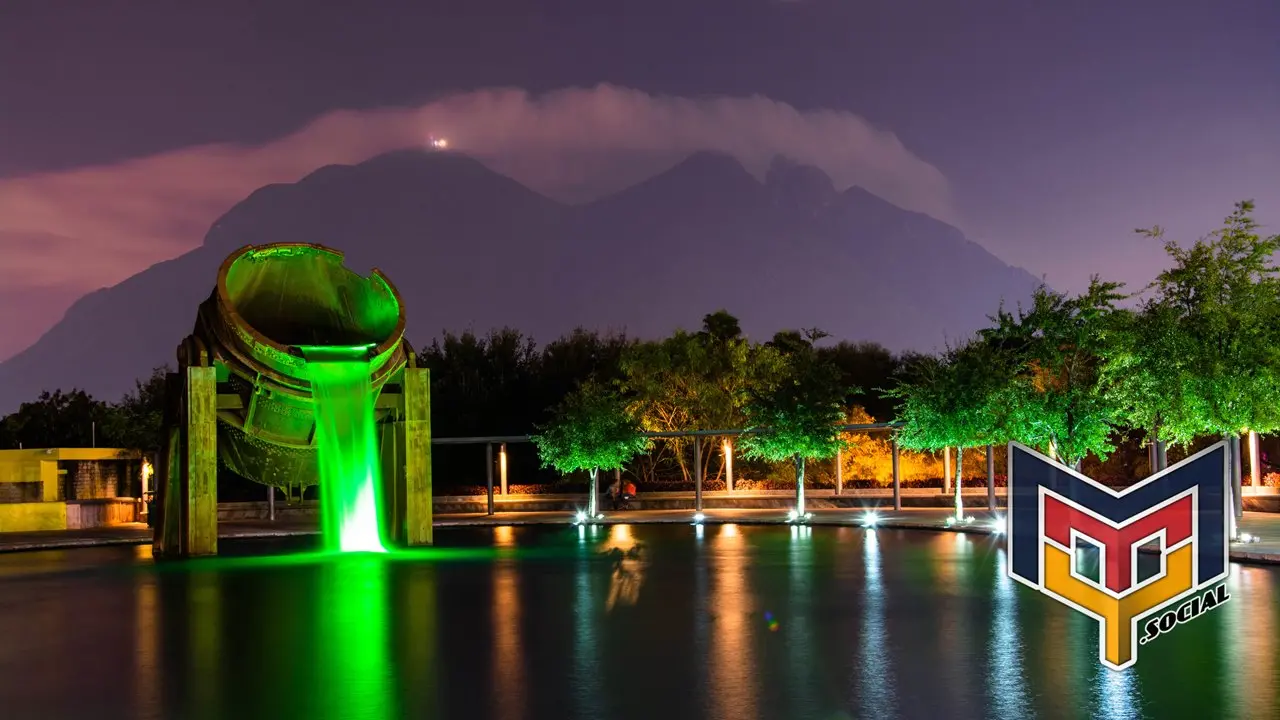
x: 488, y: 464
x: 839, y: 471
x: 200, y: 456
x: 991, y: 478
x: 502, y: 467
x: 1255, y: 461
x: 697, y: 474
x: 728, y: 464
x: 1162, y: 455
x: 946, y: 470
x: 416, y: 464
x: 897, y: 476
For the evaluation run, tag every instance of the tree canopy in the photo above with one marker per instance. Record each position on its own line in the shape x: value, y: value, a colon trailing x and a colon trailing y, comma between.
x: 1056, y: 397
x: 795, y: 405
x: 591, y: 429
x: 958, y: 398
x: 1217, y: 310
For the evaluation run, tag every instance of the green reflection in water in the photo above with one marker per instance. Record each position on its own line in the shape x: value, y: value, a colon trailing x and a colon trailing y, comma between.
x: 355, y: 674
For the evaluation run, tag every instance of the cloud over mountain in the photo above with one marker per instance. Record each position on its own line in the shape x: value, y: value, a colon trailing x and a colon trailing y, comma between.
x: 67, y: 233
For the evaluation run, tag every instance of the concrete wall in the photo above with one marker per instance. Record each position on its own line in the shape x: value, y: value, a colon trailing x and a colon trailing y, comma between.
x: 83, y: 514
x: 29, y: 517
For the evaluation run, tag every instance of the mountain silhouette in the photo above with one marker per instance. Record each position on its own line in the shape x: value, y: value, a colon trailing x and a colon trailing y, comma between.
x: 469, y: 248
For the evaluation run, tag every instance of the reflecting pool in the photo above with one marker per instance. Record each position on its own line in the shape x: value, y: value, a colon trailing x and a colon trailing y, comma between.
x: 645, y: 621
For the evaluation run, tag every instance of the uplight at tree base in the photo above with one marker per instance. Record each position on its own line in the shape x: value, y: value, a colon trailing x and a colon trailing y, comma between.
x: 348, y: 450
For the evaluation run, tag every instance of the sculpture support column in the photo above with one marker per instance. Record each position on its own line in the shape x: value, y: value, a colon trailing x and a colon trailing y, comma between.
x: 416, y: 466
x: 188, y: 486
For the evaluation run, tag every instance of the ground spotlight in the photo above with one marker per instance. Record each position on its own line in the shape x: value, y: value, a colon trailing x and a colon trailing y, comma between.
x: 1248, y: 538
x: 580, y: 518
x: 698, y: 518
x: 792, y: 515
x: 997, y: 525
x: 870, y: 519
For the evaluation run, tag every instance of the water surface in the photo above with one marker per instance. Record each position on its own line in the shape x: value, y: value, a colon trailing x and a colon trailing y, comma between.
x: 646, y: 622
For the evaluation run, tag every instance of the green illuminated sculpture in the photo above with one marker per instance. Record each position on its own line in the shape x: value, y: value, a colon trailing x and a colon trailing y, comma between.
x: 298, y: 373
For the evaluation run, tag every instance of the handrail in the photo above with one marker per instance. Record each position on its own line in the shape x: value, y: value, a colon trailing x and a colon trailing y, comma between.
x: 866, y: 427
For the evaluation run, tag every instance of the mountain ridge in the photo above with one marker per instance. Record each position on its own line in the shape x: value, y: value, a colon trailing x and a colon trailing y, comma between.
x: 471, y: 248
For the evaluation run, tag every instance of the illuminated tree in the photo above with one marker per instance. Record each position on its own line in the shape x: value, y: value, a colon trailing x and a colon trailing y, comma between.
x: 691, y: 381
x: 1058, y: 399
x: 590, y: 430
x: 795, y: 408
x: 1216, y: 315
x: 960, y: 398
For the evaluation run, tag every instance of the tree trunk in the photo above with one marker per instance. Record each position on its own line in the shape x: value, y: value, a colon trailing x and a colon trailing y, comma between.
x: 959, y: 481
x: 594, y: 494
x: 799, y: 486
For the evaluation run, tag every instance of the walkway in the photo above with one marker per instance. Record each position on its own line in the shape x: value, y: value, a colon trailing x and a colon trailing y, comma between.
x: 1263, y: 525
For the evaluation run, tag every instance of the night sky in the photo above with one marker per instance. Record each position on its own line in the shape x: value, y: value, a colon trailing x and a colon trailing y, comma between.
x: 1047, y: 131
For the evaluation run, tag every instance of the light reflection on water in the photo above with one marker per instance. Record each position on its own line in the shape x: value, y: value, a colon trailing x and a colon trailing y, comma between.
x: 1007, y: 687
x: 874, y: 674
x: 871, y: 623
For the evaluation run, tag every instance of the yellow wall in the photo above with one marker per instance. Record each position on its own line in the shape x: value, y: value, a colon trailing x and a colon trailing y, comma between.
x: 26, y: 517
x: 41, y: 465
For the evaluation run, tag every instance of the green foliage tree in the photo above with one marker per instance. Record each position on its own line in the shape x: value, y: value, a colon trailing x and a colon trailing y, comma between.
x: 795, y: 407
x: 590, y: 430
x: 959, y: 398
x: 1218, y: 309
x: 690, y: 380
x: 1145, y: 370
x: 1058, y: 398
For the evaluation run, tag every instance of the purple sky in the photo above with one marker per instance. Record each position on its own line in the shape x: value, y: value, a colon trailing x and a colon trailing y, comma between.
x: 1046, y: 130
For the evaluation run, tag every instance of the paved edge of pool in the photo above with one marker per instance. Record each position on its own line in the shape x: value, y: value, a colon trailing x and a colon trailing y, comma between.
x: 1235, y: 555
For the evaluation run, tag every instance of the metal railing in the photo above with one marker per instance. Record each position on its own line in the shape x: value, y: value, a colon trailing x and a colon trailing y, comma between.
x: 502, y: 440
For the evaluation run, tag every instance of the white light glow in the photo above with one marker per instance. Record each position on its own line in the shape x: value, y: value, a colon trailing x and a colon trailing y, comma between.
x: 870, y: 519
x: 698, y: 517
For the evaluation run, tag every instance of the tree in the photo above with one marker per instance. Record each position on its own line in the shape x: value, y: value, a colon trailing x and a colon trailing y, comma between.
x: 137, y: 421
x: 1218, y: 307
x: 590, y: 430
x: 1144, y: 371
x: 58, y: 419
x: 690, y: 381
x: 570, y: 360
x: 795, y: 409
x: 1058, y: 399
x: 869, y: 366
x: 959, y: 398
x: 483, y: 385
